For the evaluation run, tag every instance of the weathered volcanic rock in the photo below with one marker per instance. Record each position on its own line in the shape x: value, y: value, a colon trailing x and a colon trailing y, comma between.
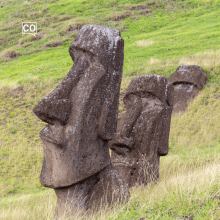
x: 143, y: 131
x: 187, y: 82
x: 81, y: 113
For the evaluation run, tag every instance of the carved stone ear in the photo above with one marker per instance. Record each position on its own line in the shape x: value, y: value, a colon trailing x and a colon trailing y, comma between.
x: 49, y: 109
x: 119, y: 54
x: 108, y: 119
x: 169, y: 94
x: 109, y: 113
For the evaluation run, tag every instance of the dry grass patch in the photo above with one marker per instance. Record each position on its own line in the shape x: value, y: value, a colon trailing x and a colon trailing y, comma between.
x: 36, y: 14
x: 144, y: 43
x: 10, y: 54
x: 30, y: 38
x: 146, y: 11
x: 54, y: 43
x: 118, y: 16
x: 8, y: 86
x: 140, y: 7
x: 65, y: 17
x: 206, y: 59
x: 10, y: 25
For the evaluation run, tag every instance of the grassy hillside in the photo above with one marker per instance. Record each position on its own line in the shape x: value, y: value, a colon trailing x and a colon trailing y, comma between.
x: 159, y: 36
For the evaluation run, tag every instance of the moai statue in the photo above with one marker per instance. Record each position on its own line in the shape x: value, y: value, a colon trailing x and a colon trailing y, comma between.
x: 143, y: 131
x: 81, y: 113
x: 187, y: 82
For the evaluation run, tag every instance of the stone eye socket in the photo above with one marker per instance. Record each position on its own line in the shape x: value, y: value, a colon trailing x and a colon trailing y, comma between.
x: 132, y: 98
x: 142, y: 94
x: 129, y: 100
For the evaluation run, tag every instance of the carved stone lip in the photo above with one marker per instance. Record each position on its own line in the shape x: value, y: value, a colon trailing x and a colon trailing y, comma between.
x: 120, y: 145
x: 121, y: 164
x: 44, y: 137
x: 122, y: 142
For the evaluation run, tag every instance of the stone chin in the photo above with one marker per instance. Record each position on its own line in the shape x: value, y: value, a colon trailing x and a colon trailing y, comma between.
x: 56, y: 172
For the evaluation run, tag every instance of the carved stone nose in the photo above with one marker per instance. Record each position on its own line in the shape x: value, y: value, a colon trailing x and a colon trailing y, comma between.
x: 50, y: 109
x: 121, y: 145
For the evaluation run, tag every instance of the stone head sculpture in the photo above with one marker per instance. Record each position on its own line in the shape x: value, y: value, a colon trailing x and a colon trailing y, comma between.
x: 187, y: 82
x: 82, y: 110
x: 143, y: 131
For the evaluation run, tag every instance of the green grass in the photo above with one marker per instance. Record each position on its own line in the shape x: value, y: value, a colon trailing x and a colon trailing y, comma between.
x: 157, y: 40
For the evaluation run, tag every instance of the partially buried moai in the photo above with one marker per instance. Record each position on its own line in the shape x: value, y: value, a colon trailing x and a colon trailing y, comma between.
x: 81, y: 113
x: 188, y: 80
x: 143, y: 131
